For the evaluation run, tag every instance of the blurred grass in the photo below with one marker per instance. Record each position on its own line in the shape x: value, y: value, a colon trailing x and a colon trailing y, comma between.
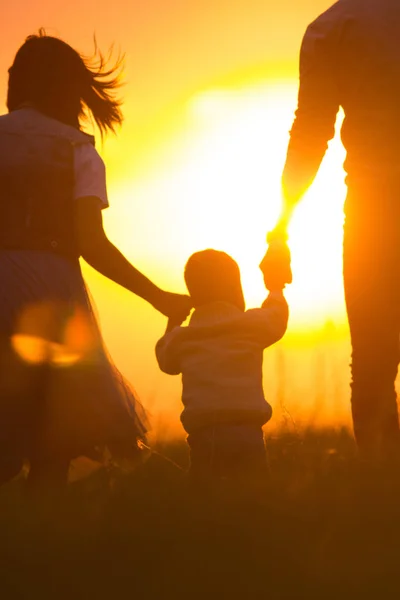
x: 322, y: 526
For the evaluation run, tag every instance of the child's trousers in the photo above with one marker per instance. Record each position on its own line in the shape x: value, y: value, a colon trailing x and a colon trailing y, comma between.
x: 227, y: 451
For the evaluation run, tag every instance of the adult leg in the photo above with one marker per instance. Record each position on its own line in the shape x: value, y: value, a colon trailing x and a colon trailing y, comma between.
x: 371, y: 281
x: 24, y: 394
x: 13, y: 412
x: 48, y: 473
x: 10, y: 466
x: 49, y: 466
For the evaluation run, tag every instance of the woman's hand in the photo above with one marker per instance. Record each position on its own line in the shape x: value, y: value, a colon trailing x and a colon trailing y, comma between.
x: 176, y: 307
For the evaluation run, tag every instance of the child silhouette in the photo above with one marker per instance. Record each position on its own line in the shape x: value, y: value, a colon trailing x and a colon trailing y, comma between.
x: 220, y: 356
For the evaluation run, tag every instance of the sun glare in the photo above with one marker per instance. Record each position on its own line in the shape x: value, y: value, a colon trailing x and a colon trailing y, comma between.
x: 220, y: 187
x: 41, y: 324
x: 217, y: 183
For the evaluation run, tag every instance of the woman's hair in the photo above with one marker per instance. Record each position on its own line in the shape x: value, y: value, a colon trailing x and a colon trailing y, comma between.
x: 213, y: 276
x: 62, y: 84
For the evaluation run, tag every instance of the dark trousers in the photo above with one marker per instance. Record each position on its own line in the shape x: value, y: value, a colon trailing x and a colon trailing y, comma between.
x: 371, y: 269
x: 227, y: 451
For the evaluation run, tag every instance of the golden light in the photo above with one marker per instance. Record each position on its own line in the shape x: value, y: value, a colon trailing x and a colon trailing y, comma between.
x: 53, y: 334
x: 217, y: 183
x: 33, y: 350
x: 219, y: 186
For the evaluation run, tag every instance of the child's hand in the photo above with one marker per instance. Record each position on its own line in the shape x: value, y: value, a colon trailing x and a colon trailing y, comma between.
x: 174, y: 306
x: 172, y: 323
x: 275, y: 266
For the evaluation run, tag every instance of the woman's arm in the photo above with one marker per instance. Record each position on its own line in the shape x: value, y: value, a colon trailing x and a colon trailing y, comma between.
x: 97, y: 250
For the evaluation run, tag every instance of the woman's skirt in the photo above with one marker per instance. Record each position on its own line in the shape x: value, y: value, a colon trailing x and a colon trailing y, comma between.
x: 60, y: 393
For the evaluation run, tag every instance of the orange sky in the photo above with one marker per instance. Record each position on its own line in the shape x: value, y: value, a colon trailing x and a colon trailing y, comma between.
x: 173, y: 48
x: 169, y: 153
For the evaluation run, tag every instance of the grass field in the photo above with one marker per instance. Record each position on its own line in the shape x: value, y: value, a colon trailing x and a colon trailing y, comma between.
x: 322, y: 526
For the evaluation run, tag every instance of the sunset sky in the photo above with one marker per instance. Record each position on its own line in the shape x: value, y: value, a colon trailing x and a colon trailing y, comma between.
x: 209, y: 94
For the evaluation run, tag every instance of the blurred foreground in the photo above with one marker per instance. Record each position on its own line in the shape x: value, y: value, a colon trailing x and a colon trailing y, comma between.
x: 322, y: 526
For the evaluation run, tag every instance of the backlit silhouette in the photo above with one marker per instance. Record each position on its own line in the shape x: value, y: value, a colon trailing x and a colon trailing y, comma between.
x: 60, y: 395
x: 350, y: 57
x: 220, y: 355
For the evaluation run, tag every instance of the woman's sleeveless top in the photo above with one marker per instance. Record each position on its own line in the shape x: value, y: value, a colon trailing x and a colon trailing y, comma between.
x: 37, y: 209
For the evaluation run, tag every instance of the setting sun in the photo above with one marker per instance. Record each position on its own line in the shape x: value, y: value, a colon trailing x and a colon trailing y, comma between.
x: 219, y: 187
x: 217, y: 183
x: 197, y: 164
x: 199, y: 299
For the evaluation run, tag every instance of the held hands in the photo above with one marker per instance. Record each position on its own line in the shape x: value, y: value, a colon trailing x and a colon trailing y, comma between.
x: 174, y: 306
x: 275, y: 266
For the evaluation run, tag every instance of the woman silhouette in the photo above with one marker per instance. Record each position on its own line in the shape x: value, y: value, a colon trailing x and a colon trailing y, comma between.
x: 60, y: 395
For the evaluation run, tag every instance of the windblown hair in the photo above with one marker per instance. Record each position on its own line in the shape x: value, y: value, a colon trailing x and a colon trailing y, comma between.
x: 58, y: 81
x: 213, y: 276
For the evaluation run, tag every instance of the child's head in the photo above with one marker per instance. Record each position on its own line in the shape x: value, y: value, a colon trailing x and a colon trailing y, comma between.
x: 211, y: 276
x: 59, y: 82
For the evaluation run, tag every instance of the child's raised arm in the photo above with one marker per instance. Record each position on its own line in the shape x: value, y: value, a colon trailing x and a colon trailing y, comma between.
x: 172, y: 323
x: 267, y: 325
